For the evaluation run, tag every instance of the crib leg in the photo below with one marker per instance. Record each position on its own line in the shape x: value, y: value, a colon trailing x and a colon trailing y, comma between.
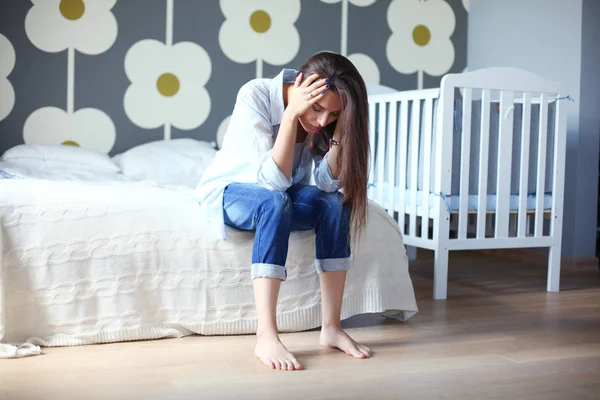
x: 440, y: 274
x: 411, y: 252
x: 554, y: 269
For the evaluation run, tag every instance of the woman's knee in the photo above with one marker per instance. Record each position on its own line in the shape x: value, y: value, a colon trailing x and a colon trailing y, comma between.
x: 276, y: 203
x: 333, y: 203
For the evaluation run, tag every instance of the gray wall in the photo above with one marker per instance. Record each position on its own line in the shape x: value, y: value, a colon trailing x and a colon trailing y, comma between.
x: 557, y: 39
x: 40, y: 78
x: 586, y: 203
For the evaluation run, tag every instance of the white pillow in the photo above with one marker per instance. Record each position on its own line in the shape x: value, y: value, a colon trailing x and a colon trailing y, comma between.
x: 176, y: 162
x: 19, y: 169
x: 58, y: 157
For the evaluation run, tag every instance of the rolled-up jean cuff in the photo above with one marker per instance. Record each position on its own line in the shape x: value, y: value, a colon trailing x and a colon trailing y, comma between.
x: 268, y: 271
x: 333, y: 264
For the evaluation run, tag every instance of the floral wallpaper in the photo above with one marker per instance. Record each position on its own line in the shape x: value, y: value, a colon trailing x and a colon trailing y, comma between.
x: 111, y: 74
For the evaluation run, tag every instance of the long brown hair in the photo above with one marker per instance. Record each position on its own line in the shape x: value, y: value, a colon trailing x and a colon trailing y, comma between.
x: 353, y: 157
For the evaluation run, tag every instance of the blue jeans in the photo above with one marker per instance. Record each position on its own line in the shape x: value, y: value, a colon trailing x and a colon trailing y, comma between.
x: 274, y: 214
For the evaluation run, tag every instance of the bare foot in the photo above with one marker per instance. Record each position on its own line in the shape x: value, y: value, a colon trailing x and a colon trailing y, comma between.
x: 273, y: 353
x: 335, y: 337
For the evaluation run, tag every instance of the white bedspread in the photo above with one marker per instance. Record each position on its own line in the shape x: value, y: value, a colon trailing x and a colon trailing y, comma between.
x: 85, y: 263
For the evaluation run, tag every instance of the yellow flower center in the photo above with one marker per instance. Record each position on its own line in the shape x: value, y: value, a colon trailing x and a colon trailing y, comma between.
x: 260, y: 21
x: 421, y: 35
x: 70, y: 143
x: 72, y: 9
x: 168, y: 84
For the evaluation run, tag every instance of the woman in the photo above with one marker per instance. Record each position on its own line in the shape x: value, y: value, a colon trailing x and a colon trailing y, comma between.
x: 260, y: 179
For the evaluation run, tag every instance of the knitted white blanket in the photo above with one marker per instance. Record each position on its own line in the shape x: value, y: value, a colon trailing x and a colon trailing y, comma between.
x: 96, y: 263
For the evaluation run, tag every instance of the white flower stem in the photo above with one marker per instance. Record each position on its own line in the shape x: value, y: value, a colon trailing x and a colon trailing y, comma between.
x: 169, y: 42
x: 344, y: 44
x: 167, y: 131
x: 420, y: 79
x: 259, y: 67
x: 70, y: 80
x: 169, y: 33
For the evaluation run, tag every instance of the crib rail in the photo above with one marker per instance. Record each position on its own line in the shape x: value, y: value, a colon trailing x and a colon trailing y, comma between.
x: 518, y: 90
x: 481, y: 178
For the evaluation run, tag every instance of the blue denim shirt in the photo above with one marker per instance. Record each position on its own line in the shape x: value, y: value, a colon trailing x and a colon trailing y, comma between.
x: 245, y: 156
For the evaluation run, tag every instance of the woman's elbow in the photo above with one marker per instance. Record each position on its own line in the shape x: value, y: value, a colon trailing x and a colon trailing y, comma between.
x: 326, y: 187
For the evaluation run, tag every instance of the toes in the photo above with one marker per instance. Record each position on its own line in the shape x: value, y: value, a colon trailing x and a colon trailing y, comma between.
x: 268, y: 363
x: 277, y: 364
x: 354, y: 352
x: 288, y: 365
x: 297, y: 365
x: 365, y: 350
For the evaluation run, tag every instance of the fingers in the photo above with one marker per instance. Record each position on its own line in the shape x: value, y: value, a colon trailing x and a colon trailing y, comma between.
x: 309, y: 81
x: 321, y: 88
x: 314, y: 86
x: 320, y: 84
x: 318, y: 92
x: 298, y: 80
x: 314, y: 97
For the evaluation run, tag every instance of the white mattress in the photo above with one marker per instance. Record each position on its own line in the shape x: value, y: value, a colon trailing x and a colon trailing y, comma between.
x: 85, y: 263
x: 453, y: 201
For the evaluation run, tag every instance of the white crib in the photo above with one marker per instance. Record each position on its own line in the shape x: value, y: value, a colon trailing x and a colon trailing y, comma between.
x: 482, y: 191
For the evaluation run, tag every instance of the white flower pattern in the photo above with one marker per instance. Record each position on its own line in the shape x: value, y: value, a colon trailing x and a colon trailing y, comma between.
x: 167, y: 84
x: 260, y: 30
x: 420, y: 40
x: 358, y: 3
x: 7, y: 63
x: 88, y: 128
x: 89, y: 27
x: 86, y: 25
x: 367, y: 67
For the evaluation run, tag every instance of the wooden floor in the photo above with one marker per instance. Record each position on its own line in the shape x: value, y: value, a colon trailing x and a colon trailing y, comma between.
x: 498, y: 336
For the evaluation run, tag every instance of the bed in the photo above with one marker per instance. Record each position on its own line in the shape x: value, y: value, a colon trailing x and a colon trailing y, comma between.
x: 125, y: 257
x: 478, y: 163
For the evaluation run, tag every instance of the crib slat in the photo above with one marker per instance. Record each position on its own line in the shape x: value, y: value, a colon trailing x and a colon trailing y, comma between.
x: 402, y: 164
x: 391, y: 159
x: 483, y: 163
x: 541, y: 167
x: 414, y: 163
x: 372, y: 119
x: 523, y: 178
x: 427, y: 167
x: 380, y: 157
x: 464, y: 164
x: 504, y: 163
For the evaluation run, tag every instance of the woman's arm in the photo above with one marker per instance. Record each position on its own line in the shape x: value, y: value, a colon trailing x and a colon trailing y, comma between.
x: 323, y: 175
x: 332, y: 155
x: 300, y: 98
x: 283, y: 149
x: 327, y: 169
